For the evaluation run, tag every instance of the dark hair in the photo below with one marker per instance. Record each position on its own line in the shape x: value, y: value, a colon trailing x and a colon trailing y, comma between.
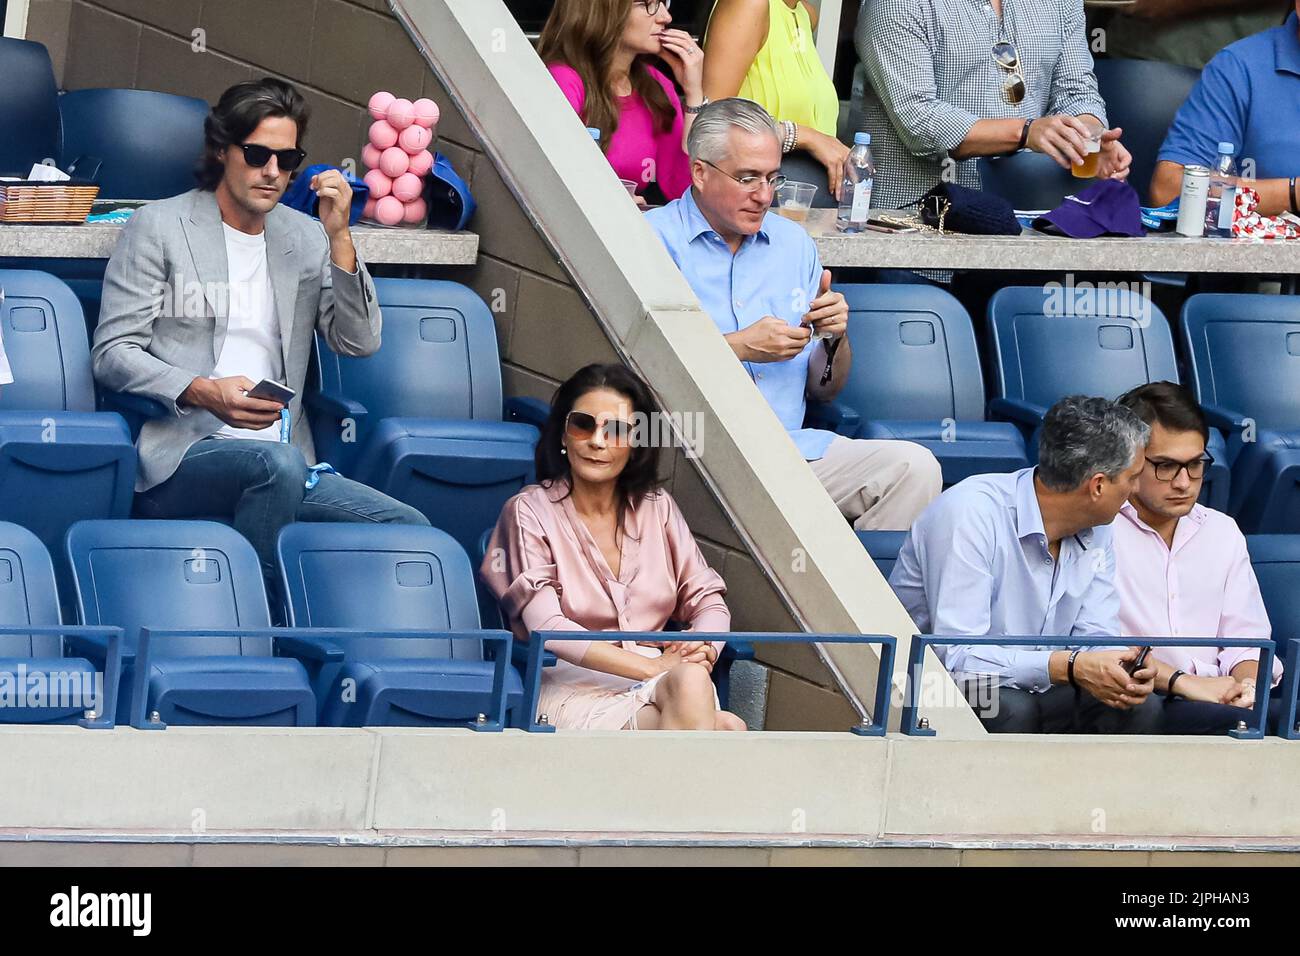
x: 1082, y: 436
x: 238, y: 112
x: 1169, y: 404
x: 641, y: 474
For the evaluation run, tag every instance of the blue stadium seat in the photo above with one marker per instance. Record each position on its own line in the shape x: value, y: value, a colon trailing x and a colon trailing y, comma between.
x: 1142, y: 97
x: 148, y: 143
x: 370, y: 578
x: 39, y: 655
x: 198, y: 648
x: 923, y: 380
x: 421, y: 419
x: 60, y: 460
x: 1041, y: 355
x: 1275, y: 559
x: 1027, y: 180
x: 29, y: 110
x: 883, y: 548
x: 1244, y: 354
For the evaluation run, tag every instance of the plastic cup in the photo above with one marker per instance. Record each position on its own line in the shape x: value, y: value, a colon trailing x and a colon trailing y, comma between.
x: 793, y: 200
x: 1088, y: 168
x: 631, y: 186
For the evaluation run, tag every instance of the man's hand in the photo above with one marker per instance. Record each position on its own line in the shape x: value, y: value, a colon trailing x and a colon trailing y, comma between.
x: 1062, y: 137
x: 1115, y: 160
x: 1102, y: 674
x: 1215, y: 690
x: 335, y: 201
x: 769, y: 340
x: 828, y: 314
x: 227, y: 399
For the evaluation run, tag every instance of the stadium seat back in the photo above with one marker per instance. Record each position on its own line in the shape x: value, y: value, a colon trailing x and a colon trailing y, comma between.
x: 1275, y: 559
x: 29, y: 110
x: 883, y: 548
x: 149, y: 143
x: 1142, y: 97
x: 45, y: 339
x: 1244, y: 353
x: 1042, y: 354
x: 1027, y: 180
x: 381, y: 577
x: 27, y: 593
x: 924, y: 361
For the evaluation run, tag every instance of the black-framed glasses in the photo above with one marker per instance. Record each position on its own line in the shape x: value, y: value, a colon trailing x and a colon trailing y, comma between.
x: 652, y: 6
x: 751, y: 183
x: 258, y: 156
x: 1007, y: 58
x: 583, y: 425
x: 1168, y: 470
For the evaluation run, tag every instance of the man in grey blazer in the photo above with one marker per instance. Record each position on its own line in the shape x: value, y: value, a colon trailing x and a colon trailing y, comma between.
x: 209, y: 293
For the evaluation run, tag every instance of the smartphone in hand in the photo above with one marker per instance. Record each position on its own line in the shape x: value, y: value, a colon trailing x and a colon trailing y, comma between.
x: 270, y: 391
x: 1138, y: 662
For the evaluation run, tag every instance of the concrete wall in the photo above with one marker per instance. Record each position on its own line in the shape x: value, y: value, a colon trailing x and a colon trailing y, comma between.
x: 338, y: 52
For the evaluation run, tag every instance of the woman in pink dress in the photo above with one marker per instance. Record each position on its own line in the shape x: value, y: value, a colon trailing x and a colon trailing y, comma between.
x: 597, y: 546
x: 599, y: 52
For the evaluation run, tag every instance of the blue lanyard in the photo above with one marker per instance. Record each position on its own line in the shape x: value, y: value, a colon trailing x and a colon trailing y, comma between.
x: 313, y: 471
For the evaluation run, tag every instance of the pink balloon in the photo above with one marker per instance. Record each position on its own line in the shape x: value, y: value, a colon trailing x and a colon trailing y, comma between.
x: 416, y: 211
x: 389, y: 210
x: 426, y: 112
x: 369, y: 211
x: 421, y: 163
x: 379, y: 104
x: 393, y: 162
x: 401, y: 114
x: 413, y: 139
x: 380, y: 185
x: 382, y: 135
x: 407, y: 187
x: 370, y: 156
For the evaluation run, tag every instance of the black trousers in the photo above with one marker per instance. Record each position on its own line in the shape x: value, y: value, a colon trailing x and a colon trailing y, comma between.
x: 1198, y: 717
x: 1059, y: 711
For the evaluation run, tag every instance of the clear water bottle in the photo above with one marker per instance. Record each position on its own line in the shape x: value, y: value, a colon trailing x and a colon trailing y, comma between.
x: 593, y: 133
x: 1222, y: 200
x: 855, y: 189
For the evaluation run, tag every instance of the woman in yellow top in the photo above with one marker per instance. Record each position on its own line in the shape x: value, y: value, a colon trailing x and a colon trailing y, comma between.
x: 764, y: 50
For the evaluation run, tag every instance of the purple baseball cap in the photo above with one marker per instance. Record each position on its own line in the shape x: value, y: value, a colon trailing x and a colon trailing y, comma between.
x: 1109, y: 207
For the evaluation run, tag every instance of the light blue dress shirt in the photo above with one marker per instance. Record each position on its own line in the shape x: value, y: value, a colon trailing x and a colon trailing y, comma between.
x: 774, y: 272
x: 976, y: 563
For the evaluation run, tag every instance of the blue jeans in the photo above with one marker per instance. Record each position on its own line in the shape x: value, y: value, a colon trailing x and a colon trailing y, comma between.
x: 259, y: 486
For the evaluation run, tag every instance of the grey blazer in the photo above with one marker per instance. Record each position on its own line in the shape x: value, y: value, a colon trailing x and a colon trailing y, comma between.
x: 165, y: 309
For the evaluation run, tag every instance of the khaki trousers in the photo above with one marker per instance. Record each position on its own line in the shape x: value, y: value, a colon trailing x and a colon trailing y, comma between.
x: 879, y: 485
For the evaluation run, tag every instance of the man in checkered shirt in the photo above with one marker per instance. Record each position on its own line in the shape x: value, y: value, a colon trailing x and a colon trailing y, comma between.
x: 950, y: 80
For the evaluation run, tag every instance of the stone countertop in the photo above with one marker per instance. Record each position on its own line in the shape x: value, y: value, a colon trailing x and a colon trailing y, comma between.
x: 376, y: 244
x: 1031, y: 250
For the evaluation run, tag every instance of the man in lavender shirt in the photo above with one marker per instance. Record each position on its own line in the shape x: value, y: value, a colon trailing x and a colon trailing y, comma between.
x: 1183, y: 570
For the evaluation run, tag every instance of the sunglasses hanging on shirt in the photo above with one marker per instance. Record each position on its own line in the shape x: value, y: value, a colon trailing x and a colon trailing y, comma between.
x: 1007, y: 58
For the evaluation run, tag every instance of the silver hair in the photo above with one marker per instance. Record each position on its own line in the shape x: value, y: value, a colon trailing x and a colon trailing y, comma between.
x: 711, y: 131
x: 1083, y: 436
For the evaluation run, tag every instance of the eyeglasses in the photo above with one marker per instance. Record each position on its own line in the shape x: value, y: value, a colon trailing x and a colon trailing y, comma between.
x: 1008, y: 59
x: 582, y: 427
x: 1168, y: 470
x: 652, y: 6
x: 751, y: 183
x: 258, y: 156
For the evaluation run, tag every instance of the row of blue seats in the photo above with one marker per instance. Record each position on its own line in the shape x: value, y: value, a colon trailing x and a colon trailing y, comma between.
x: 923, y: 382
x: 384, y: 630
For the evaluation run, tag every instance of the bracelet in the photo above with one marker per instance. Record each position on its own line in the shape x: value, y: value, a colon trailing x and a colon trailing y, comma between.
x: 791, y: 137
x: 1069, y: 667
x: 1169, y: 688
x: 696, y: 109
x: 1024, y: 136
x: 1294, y: 207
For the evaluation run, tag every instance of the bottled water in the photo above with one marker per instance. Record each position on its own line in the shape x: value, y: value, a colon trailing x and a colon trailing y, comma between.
x: 1222, y: 200
x: 855, y: 191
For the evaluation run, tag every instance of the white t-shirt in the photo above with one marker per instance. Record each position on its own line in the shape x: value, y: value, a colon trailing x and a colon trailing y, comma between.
x: 252, y: 345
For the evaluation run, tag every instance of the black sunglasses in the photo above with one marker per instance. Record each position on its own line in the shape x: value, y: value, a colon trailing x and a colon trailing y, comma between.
x: 258, y: 156
x: 1168, y: 470
x: 582, y: 426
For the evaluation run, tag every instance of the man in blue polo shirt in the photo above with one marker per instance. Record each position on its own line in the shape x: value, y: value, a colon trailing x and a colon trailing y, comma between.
x: 760, y: 278
x: 1248, y: 95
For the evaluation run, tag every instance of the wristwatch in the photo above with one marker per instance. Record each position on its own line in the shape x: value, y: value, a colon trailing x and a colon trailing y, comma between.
x: 695, y: 109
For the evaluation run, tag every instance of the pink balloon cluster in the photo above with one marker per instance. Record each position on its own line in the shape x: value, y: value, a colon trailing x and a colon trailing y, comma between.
x: 397, y: 158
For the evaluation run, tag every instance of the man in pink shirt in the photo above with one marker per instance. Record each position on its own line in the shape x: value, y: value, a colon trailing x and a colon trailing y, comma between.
x: 1183, y: 570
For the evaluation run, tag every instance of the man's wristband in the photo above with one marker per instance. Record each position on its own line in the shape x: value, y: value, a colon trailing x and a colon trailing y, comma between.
x: 1069, y: 667
x: 1169, y: 689
x: 1293, y: 207
x: 1024, y: 136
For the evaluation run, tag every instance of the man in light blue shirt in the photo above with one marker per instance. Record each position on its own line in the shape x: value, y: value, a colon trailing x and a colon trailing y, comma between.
x: 1029, y: 553
x: 759, y: 277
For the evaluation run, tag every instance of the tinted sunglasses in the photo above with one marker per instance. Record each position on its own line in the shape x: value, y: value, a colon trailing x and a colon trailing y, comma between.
x: 258, y: 156
x: 582, y: 426
x: 1008, y: 59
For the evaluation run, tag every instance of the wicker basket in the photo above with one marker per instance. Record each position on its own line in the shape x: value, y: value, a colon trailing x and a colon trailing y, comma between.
x: 46, y: 203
